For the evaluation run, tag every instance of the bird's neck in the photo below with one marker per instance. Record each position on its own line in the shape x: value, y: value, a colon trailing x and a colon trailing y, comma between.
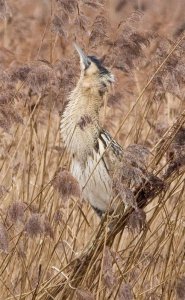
x: 87, y: 99
x: 80, y: 121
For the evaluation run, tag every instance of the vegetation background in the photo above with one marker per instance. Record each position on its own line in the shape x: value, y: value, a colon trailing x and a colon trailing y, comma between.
x: 52, y: 245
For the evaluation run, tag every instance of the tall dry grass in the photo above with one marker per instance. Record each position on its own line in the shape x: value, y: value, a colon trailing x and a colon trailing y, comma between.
x: 52, y: 244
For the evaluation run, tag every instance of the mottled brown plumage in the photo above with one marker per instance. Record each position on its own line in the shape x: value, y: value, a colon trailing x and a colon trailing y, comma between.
x: 84, y: 138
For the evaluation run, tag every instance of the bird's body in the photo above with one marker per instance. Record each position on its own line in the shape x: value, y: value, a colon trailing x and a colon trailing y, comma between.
x: 86, y: 141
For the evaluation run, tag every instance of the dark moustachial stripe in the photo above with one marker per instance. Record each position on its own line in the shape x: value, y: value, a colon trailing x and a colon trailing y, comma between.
x: 102, y: 69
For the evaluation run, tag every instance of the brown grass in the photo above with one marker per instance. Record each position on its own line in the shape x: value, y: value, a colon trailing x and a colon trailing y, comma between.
x: 52, y: 245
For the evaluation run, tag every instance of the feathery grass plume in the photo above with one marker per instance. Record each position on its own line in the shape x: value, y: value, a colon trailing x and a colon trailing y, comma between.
x: 3, y: 238
x: 4, y: 78
x: 124, y: 192
x: 9, y: 116
x: 99, y: 31
x: 6, y: 98
x: 84, y: 295
x: 66, y: 184
x: 171, y: 77
x: 132, y: 170
x: 176, y: 153
x: 180, y: 288
x: 69, y: 6
x: 16, y: 211
x: 58, y: 26
x: 108, y: 274
x: 19, y: 73
x: 41, y: 77
x: 34, y: 225
x: 81, y: 22
x: 66, y: 72
x: 131, y: 174
x: 137, y: 153
x: 137, y: 220
x: 5, y: 11
x: 125, y: 292
x: 127, y: 49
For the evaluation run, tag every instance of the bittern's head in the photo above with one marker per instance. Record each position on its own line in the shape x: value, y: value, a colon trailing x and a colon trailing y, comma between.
x: 93, y: 73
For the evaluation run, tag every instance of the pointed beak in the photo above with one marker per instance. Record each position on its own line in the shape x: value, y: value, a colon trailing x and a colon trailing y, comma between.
x: 83, y: 57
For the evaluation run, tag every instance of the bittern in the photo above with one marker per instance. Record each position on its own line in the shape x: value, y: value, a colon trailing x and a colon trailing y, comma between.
x: 85, y: 140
